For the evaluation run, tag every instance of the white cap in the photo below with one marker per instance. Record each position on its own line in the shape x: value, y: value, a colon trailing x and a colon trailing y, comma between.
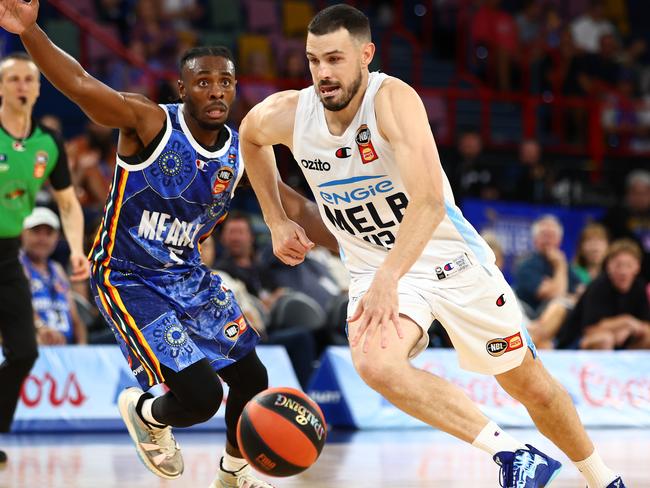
x: 41, y: 216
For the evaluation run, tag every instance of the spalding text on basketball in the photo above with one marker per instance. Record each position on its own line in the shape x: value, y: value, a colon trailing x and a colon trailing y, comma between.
x: 304, y: 416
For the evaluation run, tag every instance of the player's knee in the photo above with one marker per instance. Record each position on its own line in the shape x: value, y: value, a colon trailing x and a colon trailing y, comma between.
x: 378, y: 375
x: 205, y: 406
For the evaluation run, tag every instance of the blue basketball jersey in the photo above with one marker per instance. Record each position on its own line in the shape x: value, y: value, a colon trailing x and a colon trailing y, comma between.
x: 50, y: 297
x: 159, y: 209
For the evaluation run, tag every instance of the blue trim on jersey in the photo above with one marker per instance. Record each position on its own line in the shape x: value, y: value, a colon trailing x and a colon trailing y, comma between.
x: 529, y: 341
x: 467, y: 232
x: 347, y: 181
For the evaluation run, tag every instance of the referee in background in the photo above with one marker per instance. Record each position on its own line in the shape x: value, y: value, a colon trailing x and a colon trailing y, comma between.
x: 29, y: 155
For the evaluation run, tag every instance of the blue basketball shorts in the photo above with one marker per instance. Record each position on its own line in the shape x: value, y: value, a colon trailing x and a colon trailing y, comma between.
x: 171, y: 319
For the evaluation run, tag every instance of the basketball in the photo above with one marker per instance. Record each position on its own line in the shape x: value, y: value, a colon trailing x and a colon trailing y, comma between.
x: 281, y: 432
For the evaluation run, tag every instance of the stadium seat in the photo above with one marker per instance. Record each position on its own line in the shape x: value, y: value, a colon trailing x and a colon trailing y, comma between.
x: 296, y: 15
x: 295, y: 309
x: 250, y: 43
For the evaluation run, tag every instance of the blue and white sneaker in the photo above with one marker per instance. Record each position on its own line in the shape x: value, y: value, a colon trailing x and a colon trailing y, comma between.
x: 526, y: 468
x: 617, y: 483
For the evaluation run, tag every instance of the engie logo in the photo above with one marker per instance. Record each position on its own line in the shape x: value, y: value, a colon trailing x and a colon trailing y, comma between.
x: 369, y: 188
x: 316, y: 164
x: 498, y: 347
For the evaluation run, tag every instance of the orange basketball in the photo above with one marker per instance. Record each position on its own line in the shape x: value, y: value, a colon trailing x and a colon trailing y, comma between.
x: 281, y: 432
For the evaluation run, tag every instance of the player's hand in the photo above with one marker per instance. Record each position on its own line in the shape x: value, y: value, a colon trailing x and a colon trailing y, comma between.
x: 377, y: 309
x: 16, y: 16
x: 80, y: 267
x: 290, y: 242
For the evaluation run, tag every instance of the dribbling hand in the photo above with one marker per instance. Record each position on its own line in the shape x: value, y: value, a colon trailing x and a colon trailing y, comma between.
x: 16, y: 16
x: 377, y: 309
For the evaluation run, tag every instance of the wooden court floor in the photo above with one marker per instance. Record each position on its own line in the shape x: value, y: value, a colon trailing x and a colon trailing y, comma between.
x: 376, y: 459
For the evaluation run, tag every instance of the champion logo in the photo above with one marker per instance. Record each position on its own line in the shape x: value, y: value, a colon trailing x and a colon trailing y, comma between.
x: 343, y: 152
x: 501, y: 301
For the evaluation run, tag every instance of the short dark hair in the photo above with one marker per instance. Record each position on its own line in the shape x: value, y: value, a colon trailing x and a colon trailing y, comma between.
x: 202, y: 51
x: 339, y: 16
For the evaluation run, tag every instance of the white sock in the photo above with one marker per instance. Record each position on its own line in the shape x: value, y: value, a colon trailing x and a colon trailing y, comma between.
x: 232, y: 463
x: 492, y: 440
x: 594, y: 470
x: 147, y: 415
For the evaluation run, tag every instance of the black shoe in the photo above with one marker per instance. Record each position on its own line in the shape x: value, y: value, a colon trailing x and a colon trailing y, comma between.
x: 3, y: 458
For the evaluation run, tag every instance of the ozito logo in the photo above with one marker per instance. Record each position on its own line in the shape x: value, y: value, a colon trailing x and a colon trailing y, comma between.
x: 316, y: 164
x: 343, y: 152
x: 501, y: 301
x: 498, y: 347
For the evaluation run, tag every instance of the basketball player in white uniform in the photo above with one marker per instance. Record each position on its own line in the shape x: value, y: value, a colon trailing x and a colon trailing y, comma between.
x: 365, y: 146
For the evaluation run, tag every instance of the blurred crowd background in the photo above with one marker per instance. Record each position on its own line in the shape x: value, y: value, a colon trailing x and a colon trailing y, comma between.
x: 541, y: 113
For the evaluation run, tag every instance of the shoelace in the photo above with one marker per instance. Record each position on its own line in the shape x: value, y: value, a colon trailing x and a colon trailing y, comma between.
x: 165, y: 439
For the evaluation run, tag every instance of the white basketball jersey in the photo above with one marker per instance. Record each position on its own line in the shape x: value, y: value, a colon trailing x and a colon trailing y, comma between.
x: 361, y: 195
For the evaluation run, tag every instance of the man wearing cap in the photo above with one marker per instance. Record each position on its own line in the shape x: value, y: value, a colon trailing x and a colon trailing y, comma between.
x: 55, y: 312
x: 29, y: 155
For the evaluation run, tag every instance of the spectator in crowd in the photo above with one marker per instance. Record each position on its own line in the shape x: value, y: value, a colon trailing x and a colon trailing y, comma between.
x: 588, y: 28
x: 117, y: 13
x: 623, y: 117
x: 613, y: 313
x: 91, y: 157
x: 470, y: 175
x: 294, y: 71
x: 529, y: 28
x: 52, y: 122
x: 495, y: 38
x: 545, y: 275
x: 154, y: 36
x: 535, y: 180
x: 632, y: 218
x: 591, y: 251
x: 182, y: 14
x: 601, y: 71
x: 238, y: 258
x: 55, y: 312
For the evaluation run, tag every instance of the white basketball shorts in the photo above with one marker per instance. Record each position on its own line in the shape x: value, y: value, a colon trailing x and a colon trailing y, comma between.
x: 475, y: 305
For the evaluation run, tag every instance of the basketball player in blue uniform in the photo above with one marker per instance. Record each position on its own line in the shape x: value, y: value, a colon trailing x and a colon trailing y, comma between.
x: 174, y: 320
x: 411, y: 254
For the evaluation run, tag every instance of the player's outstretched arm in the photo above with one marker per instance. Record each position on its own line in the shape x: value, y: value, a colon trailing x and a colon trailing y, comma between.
x: 271, y: 122
x: 102, y: 104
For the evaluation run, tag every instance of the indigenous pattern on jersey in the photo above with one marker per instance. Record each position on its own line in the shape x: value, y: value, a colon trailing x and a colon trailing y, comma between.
x: 175, y: 320
x: 162, y: 304
x: 50, y: 297
x: 362, y: 197
x: 158, y: 211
